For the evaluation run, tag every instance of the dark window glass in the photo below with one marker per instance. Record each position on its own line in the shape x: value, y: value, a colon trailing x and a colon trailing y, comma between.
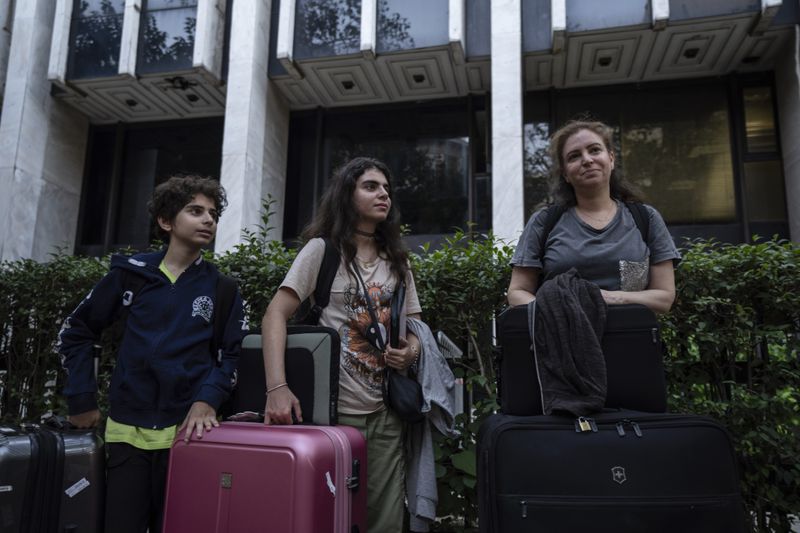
x: 689, y: 9
x: 536, y: 27
x: 407, y: 24
x: 765, y: 191
x: 275, y: 67
x: 673, y: 142
x: 427, y: 148
x: 759, y: 119
x: 324, y: 28
x: 583, y: 15
x: 479, y: 25
x: 95, y: 36
x: 150, y: 155
x: 789, y: 13
x: 166, y: 41
x: 536, y: 140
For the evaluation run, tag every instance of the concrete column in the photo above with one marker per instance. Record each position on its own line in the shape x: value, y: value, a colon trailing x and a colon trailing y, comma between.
x: 508, y: 199
x: 256, y: 129
x: 42, y: 146
x: 787, y: 85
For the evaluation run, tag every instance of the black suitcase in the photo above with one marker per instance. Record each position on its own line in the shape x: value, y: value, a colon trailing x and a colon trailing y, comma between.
x: 51, y: 480
x: 312, y: 372
x: 633, y: 353
x: 620, y: 472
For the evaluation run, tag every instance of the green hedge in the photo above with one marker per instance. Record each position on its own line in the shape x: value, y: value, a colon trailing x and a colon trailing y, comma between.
x: 732, y: 338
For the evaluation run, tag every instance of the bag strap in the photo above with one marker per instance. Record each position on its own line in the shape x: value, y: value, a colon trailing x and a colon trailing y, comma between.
x: 642, y: 219
x: 224, y: 295
x: 374, y: 330
x: 322, y: 291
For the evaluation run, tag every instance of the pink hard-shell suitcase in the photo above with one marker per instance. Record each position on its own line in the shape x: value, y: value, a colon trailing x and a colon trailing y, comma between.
x: 244, y: 477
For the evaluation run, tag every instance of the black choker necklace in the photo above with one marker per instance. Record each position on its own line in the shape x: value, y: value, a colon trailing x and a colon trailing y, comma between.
x: 364, y: 233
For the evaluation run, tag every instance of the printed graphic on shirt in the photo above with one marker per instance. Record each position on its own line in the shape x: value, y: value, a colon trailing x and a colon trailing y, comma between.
x: 203, y: 306
x: 362, y: 361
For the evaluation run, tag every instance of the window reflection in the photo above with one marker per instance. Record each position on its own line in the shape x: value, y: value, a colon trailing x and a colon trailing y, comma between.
x: 765, y: 191
x: 687, y: 9
x: 478, y: 20
x: 536, y: 34
x: 536, y: 139
x: 326, y: 28
x: 167, y: 35
x: 583, y: 15
x: 407, y: 24
x: 95, y: 36
x: 759, y: 119
x: 674, y: 143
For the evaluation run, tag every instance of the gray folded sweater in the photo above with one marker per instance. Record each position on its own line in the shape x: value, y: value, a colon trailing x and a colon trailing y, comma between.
x: 566, y: 322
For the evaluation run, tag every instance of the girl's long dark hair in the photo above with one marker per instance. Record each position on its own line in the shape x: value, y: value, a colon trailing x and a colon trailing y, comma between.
x: 562, y: 192
x: 336, y: 217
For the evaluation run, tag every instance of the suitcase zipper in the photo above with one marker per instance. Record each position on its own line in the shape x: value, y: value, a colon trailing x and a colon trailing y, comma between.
x: 342, y: 514
x: 525, y: 504
x: 621, y: 427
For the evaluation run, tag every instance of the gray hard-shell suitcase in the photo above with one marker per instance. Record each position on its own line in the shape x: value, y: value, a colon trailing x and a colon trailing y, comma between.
x: 312, y: 372
x: 51, y: 480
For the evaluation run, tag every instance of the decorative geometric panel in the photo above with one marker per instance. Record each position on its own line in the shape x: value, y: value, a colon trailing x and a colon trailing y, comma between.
x: 423, y: 74
x: 346, y: 83
x: 601, y: 58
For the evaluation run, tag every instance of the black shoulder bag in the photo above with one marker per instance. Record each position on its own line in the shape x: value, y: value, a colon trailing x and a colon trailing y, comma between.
x: 402, y: 394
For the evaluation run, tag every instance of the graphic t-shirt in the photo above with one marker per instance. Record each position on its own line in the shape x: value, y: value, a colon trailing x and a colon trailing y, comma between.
x: 361, y: 364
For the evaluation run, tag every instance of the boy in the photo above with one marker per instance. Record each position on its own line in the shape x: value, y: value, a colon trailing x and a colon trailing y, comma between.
x: 165, y: 374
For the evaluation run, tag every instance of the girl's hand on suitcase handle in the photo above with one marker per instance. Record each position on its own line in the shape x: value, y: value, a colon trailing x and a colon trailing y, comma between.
x: 201, y: 417
x: 89, y: 419
x: 281, y: 403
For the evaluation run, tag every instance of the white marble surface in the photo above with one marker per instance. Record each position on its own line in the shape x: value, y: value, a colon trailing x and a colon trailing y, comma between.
x: 42, y: 147
x: 787, y: 86
x: 256, y: 129
x: 507, y: 154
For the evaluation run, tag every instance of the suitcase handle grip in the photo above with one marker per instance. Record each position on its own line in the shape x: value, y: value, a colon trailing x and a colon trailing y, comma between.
x: 354, y: 479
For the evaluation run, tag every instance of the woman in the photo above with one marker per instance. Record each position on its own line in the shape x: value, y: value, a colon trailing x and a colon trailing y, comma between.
x: 596, y: 234
x: 356, y: 214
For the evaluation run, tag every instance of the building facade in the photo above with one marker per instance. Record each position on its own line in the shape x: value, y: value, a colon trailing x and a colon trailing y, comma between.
x: 104, y: 99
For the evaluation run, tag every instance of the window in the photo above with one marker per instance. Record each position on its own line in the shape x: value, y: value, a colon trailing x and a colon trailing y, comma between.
x: 672, y: 142
x: 434, y: 151
x: 536, y: 141
x: 407, y: 24
x: 688, y: 9
x: 536, y: 27
x: 584, y: 15
x: 95, y: 37
x: 764, y: 190
x: 479, y: 22
x: 166, y: 41
x: 125, y: 163
x: 325, y: 28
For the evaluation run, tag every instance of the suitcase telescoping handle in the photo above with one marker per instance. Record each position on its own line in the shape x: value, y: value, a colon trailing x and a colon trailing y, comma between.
x: 355, y: 477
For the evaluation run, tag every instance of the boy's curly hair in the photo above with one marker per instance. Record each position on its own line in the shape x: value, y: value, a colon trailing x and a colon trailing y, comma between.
x: 173, y: 195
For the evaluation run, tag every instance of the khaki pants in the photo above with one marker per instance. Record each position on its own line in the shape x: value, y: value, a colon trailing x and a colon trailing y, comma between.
x: 385, y: 468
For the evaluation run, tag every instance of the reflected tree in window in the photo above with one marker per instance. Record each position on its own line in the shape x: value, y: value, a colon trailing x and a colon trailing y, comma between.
x: 394, y: 28
x: 536, y: 165
x: 167, y: 37
x: 333, y: 27
x: 327, y: 28
x: 430, y: 178
x: 95, y: 39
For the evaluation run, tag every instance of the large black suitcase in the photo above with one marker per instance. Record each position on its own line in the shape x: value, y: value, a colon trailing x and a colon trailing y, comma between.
x: 631, y: 346
x: 620, y: 472
x: 312, y: 372
x: 51, y: 480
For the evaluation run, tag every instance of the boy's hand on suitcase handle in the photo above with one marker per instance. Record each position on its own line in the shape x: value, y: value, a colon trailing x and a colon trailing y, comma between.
x: 201, y: 417
x: 89, y: 419
x: 281, y: 404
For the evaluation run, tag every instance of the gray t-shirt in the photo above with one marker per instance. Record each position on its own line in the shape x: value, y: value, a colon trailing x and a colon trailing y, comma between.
x: 614, y: 258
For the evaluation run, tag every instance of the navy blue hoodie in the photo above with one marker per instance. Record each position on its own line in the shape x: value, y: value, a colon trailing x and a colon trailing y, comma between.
x: 164, y: 363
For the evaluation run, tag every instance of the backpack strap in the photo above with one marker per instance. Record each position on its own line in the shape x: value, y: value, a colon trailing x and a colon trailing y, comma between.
x: 322, y: 291
x: 642, y: 219
x: 552, y: 215
x: 224, y: 295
